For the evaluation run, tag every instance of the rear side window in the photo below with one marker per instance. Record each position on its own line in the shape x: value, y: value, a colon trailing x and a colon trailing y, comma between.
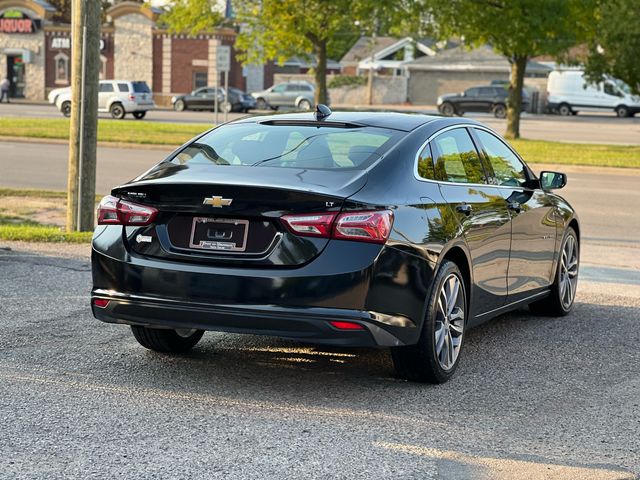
x: 290, y: 145
x: 140, y: 87
x: 456, y: 158
x: 507, y: 167
x: 106, y: 87
x: 123, y: 87
x: 426, y: 169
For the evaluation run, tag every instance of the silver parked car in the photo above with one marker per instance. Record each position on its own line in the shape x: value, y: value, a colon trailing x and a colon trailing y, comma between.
x: 291, y: 94
x: 117, y: 97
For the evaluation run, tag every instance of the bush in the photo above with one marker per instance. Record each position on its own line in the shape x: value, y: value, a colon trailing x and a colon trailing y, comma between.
x: 347, y: 81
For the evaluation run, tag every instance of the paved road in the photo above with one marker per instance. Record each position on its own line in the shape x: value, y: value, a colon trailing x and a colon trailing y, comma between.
x: 534, y: 397
x: 605, y: 198
x: 600, y: 128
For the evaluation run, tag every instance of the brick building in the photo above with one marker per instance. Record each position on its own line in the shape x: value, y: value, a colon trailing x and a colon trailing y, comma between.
x: 35, y: 52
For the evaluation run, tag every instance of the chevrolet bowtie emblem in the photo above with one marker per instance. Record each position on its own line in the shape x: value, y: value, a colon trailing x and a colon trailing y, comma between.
x: 217, y: 202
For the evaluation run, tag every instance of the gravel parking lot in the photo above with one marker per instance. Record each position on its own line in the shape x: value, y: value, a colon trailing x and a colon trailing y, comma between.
x: 534, y: 397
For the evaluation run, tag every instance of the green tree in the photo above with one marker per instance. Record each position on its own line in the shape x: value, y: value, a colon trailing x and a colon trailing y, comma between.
x: 279, y: 29
x: 192, y: 16
x: 615, y: 43
x: 518, y: 29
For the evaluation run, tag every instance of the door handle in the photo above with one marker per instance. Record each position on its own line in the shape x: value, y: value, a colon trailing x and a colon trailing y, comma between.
x: 515, y: 206
x: 464, y: 208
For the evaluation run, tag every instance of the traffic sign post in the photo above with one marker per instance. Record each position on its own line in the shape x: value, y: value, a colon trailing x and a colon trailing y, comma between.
x: 223, y: 64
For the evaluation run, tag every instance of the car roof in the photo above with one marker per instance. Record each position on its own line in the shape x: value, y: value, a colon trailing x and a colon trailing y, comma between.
x: 394, y: 120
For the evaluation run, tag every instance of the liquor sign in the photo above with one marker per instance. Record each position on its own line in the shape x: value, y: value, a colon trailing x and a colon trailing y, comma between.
x: 16, y: 21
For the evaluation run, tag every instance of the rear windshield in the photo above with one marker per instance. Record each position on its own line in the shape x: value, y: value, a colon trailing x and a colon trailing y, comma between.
x: 295, y: 146
x: 140, y: 87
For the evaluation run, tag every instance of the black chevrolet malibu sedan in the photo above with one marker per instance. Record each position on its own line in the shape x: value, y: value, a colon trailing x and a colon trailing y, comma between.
x: 349, y: 229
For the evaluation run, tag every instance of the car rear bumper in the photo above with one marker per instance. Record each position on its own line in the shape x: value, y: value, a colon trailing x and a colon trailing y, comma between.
x: 306, y: 324
x: 139, y: 107
x: 382, y: 290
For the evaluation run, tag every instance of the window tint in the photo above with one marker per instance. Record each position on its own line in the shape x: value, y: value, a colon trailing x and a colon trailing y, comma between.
x: 279, y: 88
x: 106, y: 87
x: 297, y: 146
x: 140, y: 87
x: 471, y: 92
x: 293, y: 88
x: 425, y: 164
x: 487, y: 91
x: 507, y: 167
x: 123, y: 87
x: 306, y: 88
x: 456, y: 158
x: 611, y: 90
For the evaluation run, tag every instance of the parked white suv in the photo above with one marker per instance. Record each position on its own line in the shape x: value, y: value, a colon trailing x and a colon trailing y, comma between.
x: 117, y: 97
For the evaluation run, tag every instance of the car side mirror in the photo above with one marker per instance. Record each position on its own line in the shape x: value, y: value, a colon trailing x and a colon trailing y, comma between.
x: 552, y: 180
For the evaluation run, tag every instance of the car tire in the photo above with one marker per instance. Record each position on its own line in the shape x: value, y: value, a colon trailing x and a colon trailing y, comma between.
x: 500, y: 110
x: 304, y: 105
x: 564, y: 109
x: 117, y: 111
x: 65, y: 108
x: 165, y: 340
x: 447, y: 109
x: 179, y: 106
x: 574, y: 112
x: 225, y: 107
x: 139, y: 115
x: 560, y: 301
x: 261, y: 104
x: 622, y: 111
x: 429, y: 360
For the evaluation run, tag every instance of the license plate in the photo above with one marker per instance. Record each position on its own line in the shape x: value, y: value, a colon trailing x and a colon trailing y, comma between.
x: 220, y: 234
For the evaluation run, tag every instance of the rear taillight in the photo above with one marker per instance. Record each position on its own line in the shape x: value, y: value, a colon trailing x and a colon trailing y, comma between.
x: 364, y: 226
x: 113, y: 211
x: 369, y: 226
x: 132, y: 98
x: 311, y: 225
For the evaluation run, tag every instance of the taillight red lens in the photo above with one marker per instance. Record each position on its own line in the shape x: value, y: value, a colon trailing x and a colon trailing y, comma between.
x: 113, y: 211
x: 346, y: 325
x: 310, y: 225
x: 100, y: 302
x: 372, y: 226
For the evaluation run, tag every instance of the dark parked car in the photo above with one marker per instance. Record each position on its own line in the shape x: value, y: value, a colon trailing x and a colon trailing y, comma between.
x: 352, y: 229
x: 479, y: 99
x: 204, y: 99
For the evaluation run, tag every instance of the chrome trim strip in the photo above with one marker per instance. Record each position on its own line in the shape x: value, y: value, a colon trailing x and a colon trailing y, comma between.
x: 439, y: 182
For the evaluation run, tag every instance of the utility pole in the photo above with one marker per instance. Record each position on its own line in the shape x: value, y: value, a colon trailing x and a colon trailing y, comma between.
x: 372, y: 62
x: 85, y: 53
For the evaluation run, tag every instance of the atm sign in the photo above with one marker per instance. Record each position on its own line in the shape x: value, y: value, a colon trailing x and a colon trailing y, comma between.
x: 15, y: 21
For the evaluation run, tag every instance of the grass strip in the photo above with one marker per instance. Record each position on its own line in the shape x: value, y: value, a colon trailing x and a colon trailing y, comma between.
x: 160, y: 133
x: 122, y: 131
x: 596, y: 155
x: 28, y: 232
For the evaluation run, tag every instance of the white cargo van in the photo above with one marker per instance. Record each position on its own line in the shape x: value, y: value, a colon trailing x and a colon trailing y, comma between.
x: 568, y: 92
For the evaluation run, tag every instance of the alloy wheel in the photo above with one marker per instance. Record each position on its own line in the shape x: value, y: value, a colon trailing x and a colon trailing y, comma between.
x: 568, y: 272
x: 447, y: 109
x: 450, y: 318
x: 185, y: 332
